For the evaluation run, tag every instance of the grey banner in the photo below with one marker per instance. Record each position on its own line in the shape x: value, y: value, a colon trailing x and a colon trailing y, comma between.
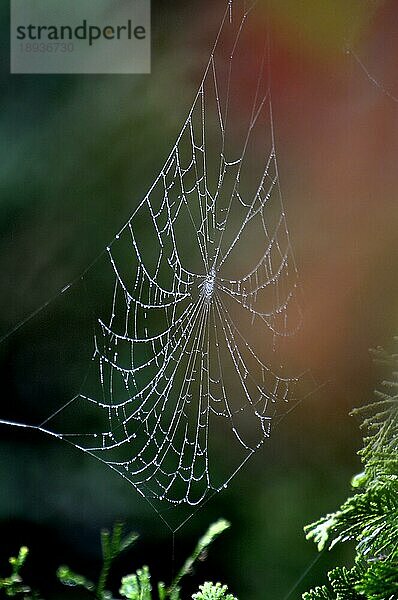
x: 80, y: 36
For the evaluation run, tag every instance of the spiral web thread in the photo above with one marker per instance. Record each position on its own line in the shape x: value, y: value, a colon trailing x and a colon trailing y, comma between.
x: 185, y: 367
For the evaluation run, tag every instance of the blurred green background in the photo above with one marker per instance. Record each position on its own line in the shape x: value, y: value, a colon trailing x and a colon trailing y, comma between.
x: 77, y: 155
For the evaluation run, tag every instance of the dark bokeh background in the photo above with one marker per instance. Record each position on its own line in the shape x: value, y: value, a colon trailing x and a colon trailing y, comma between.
x: 76, y: 156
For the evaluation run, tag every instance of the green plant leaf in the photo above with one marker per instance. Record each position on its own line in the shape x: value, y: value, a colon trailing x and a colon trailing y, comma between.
x: 211, y: 591
x: 162, y: 592
x: 68, y: 577
x: 138, y: 586
x: 370, y: 516
x: 112, y: 544
x: 318, y: 593
x: 211, y: 534
x: 380, y: 581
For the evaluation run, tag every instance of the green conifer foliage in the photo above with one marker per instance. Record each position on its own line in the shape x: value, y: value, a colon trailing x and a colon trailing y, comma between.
x: 370, y: 516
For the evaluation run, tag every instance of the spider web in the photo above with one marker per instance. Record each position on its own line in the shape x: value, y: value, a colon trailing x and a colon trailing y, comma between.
x: 186, y: 375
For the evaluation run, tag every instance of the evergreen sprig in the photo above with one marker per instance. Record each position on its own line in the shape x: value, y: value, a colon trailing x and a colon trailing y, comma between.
x: 13, y: 586
x: 370, y: 516
x: 211, y: 591
x: 136, y: 586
